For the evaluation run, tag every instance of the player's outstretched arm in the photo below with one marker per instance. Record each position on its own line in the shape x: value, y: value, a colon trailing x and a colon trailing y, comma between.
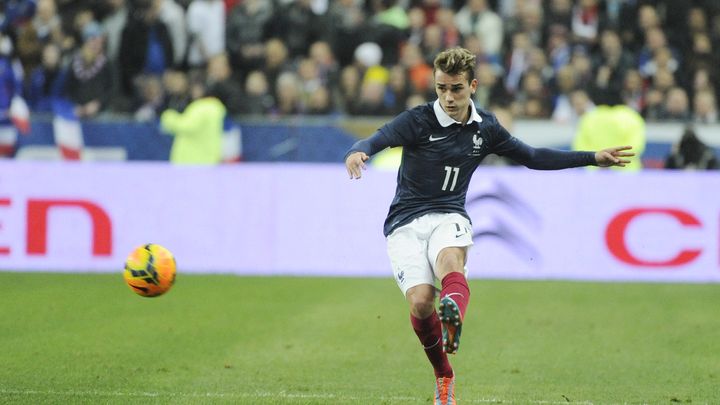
x: 614, y: 156
x: 355, y: 164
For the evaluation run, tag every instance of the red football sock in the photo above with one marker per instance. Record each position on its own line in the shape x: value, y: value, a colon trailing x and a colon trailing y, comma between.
x: 429, y: 332
x: 455, y: 285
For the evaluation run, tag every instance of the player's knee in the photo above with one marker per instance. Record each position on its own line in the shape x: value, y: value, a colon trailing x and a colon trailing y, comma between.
x: 450, y: 259
x: 420, y: 306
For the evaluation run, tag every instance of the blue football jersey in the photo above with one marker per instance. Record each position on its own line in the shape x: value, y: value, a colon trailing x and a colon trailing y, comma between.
x: 440, y: 156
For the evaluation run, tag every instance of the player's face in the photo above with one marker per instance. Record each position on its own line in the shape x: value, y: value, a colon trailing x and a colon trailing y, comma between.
x: 454, y: 92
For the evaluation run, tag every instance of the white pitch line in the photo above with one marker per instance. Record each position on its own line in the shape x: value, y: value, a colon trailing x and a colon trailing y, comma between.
x: 277, y: 395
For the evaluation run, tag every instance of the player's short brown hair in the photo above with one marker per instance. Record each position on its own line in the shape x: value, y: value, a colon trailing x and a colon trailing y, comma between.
x: 455, y: 61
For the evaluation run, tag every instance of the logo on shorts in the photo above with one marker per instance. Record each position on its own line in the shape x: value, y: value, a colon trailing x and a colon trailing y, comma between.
x: 460, y: 230
x: 401, y: 277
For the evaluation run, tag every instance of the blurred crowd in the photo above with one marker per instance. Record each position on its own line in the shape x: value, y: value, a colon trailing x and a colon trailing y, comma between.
x: 550, y: 59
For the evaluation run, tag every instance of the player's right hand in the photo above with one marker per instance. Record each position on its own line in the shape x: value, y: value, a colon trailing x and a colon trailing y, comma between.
x: 355, y: 163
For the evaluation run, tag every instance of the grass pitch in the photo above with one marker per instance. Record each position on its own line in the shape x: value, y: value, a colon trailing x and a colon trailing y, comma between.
x: 81, y: 338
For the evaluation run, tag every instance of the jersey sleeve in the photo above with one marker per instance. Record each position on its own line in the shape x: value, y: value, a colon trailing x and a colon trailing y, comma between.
x: 397, y: 132
x: 538, y: 158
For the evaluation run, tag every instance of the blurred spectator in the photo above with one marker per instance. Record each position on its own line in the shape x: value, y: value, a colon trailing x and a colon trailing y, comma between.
x: 419, y: 72
x: 371, y: 98
x: 633, y: 91
x: 558, y: 48
x: 173, y: 16
x: 257, y: 98
x: 296, y: 25
x: 206, y: 30
x: 397, y: 91
x: 565, y: 84
x: 586, y: 22
x: 581, y: 103
x: 90, y: 83
x: 222, y: 84
x: 349, y: 89
x: 490, y: 88
x: 46, y: 81
x: 319, y: 102
x: 327, y: 66
x: 32, y: 37
x: 518, y: 60
x: 113, y: 25
x: 558, y: 18
x: 416, y: 19
x: 151, y: 98
x: 705, y: 107
x: 676, y: 106
x: 690, y: 153
x: 477, y: 18
x: 345, y: 28
x: 198, y: 130
x: 276, y: 62
x: 289, y: 95
x: 532, y: 100
x: 388, y: 27
x: 177, y: 89
x: 612, y: 125
x: 9, y: 89
x: 611, y: 66
x: 245, y: 34
x: 145, y: 47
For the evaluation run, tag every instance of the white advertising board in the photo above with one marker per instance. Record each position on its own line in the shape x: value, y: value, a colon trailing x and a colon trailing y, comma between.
x: 300, y: 219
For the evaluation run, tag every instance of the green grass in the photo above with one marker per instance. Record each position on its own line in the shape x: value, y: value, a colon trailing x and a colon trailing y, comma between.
x: 76, y: 338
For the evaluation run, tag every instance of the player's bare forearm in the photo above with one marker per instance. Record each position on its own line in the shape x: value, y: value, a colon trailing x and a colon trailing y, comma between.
x: 617, y: 156
x: 355, y: 164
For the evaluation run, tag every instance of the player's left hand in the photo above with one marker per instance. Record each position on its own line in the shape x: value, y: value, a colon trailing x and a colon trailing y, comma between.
x: 614, y: 156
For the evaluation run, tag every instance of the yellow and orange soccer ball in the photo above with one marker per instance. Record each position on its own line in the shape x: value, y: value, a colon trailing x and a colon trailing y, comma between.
x: 150, y: 270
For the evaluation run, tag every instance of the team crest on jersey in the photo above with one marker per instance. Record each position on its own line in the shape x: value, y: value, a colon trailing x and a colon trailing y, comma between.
x: 477, y: 144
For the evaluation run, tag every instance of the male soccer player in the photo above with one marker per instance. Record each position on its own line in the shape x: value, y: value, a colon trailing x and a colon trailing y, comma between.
x: 427, y: 228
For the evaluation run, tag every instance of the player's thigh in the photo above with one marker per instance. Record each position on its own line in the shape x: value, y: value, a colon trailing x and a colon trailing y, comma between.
x: 451, y: 230
x: 408, y: 257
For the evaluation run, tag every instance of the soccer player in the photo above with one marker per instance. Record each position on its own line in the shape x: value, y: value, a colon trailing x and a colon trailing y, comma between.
x: 427, y: 228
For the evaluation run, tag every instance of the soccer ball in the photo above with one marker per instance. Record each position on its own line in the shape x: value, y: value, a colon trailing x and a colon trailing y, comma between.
x: 150, y: 270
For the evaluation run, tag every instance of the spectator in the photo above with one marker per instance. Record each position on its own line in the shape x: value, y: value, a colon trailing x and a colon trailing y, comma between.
x: 633, y: 91
x: 173, y: 16
x: 222, y: 84
x: 676, y: 106
x: 276, y: 61
x: 9, y: 89
x: 258, y: 98
x: 113, y: 25
x: 705, y: 109
x: 245, y: 34
x: 607, y: 124
x: 296, y: 25
x: 151, y: 98
x: 586, y: 23
x: 349, y: 89
x: 45, y: 81
x: 90, y: 83
x: 476, y: 18
x: 145, y: 47
x: 690, y: 153
x: 345, y: 29
x: 289, y: 96
x: 206, y: 29
x: 177, y: 89
x: 197, y: 131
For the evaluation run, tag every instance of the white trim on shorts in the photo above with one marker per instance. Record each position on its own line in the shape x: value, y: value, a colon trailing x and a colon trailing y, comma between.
x: 414, y: 247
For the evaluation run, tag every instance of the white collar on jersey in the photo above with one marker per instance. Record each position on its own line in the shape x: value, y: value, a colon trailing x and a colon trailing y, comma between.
x: 445, y: 120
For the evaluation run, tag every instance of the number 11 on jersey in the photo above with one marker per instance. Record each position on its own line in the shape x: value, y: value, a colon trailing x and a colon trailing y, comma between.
x: 450, y: 172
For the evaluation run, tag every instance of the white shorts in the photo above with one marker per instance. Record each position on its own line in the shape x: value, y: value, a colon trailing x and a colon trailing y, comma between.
x: 413, y: 248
